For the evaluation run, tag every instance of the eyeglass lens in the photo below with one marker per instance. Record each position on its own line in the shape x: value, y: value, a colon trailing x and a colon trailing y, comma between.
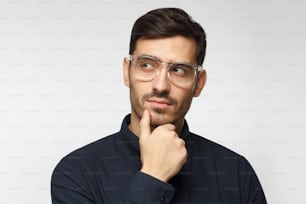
x: 146, y: 68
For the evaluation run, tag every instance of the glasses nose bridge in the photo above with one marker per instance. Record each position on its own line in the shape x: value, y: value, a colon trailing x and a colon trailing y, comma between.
x: 163, y: 65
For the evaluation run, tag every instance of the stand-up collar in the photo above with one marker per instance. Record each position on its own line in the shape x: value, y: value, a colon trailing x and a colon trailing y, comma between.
x: 132, y: 139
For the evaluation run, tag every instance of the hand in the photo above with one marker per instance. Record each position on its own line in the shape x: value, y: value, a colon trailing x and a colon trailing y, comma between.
x: 162, y: 152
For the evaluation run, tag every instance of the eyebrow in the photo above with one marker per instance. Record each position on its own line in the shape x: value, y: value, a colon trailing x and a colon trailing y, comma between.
x: 171, y: 61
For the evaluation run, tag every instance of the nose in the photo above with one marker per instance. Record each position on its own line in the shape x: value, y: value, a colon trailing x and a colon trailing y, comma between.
x: 161, y: 81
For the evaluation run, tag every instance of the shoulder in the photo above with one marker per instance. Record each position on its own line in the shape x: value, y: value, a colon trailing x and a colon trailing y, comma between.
x: 90, y: 153
x: 231, y: 168
x: 206, y: 146
x: 222, y: 156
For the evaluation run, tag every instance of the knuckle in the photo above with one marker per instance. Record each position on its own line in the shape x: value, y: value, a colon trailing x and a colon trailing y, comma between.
x: 185, y: 155
x: 173, y: 135
x: 170, y: 126
x: 181, y: 142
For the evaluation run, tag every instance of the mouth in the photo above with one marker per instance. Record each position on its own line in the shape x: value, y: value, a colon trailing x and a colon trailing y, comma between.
x: 157, y: 103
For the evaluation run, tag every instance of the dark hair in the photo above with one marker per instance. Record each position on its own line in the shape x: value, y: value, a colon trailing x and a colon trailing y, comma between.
x: 168, y: 22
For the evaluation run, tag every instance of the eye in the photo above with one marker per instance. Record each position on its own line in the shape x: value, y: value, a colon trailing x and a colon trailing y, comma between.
x: 147, y: 64
x: 180, y: 70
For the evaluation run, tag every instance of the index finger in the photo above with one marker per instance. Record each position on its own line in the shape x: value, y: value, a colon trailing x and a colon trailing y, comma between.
x: 145, y: 128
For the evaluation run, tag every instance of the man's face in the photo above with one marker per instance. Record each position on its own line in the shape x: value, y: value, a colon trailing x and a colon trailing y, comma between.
x: 165, y: 101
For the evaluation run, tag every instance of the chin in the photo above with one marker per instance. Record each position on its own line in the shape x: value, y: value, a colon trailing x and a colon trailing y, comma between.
x: 160, y: 118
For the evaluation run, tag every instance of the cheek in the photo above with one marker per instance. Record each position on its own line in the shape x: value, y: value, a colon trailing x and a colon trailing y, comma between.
x: 136, y: 92
x: 184, y: 99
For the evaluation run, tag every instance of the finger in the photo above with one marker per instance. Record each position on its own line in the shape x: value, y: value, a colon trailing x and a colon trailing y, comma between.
x: 183, y: 143
x: 170, y: 127
x: 145, y: 128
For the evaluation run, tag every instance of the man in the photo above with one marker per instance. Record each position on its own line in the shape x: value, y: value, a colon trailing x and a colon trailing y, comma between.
x: 154, y: 158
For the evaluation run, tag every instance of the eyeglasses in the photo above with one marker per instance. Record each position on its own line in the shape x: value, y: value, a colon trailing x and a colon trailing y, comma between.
x: 146, y: 67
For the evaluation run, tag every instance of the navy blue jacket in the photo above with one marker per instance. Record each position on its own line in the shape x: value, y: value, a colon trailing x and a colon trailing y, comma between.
x: 107, y: 171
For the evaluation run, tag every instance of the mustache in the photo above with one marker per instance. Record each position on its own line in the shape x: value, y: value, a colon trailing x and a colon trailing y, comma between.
x: 160, y: 95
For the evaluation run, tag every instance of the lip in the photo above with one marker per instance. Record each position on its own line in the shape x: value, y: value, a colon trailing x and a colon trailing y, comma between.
x: 159, y: 103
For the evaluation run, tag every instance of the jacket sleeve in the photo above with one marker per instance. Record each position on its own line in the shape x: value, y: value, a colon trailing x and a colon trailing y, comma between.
x: 146, y: 189
x: 69, y: 185
x: 251, y: 191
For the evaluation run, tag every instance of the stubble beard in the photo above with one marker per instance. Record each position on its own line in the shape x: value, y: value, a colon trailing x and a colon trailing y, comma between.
x: 158, y: 116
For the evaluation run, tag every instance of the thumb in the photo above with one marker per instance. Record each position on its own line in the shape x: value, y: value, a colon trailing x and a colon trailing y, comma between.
x: 145, y: 128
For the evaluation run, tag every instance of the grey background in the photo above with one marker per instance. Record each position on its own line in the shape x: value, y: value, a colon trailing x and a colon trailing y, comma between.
x: 61, y: 86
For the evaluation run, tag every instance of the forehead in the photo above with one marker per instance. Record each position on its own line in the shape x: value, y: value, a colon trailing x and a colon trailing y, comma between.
x: 176, y: 48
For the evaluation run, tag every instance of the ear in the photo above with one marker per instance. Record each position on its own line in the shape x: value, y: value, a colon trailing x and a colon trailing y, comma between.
x: 200, y: 83
x: 126, y: 71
